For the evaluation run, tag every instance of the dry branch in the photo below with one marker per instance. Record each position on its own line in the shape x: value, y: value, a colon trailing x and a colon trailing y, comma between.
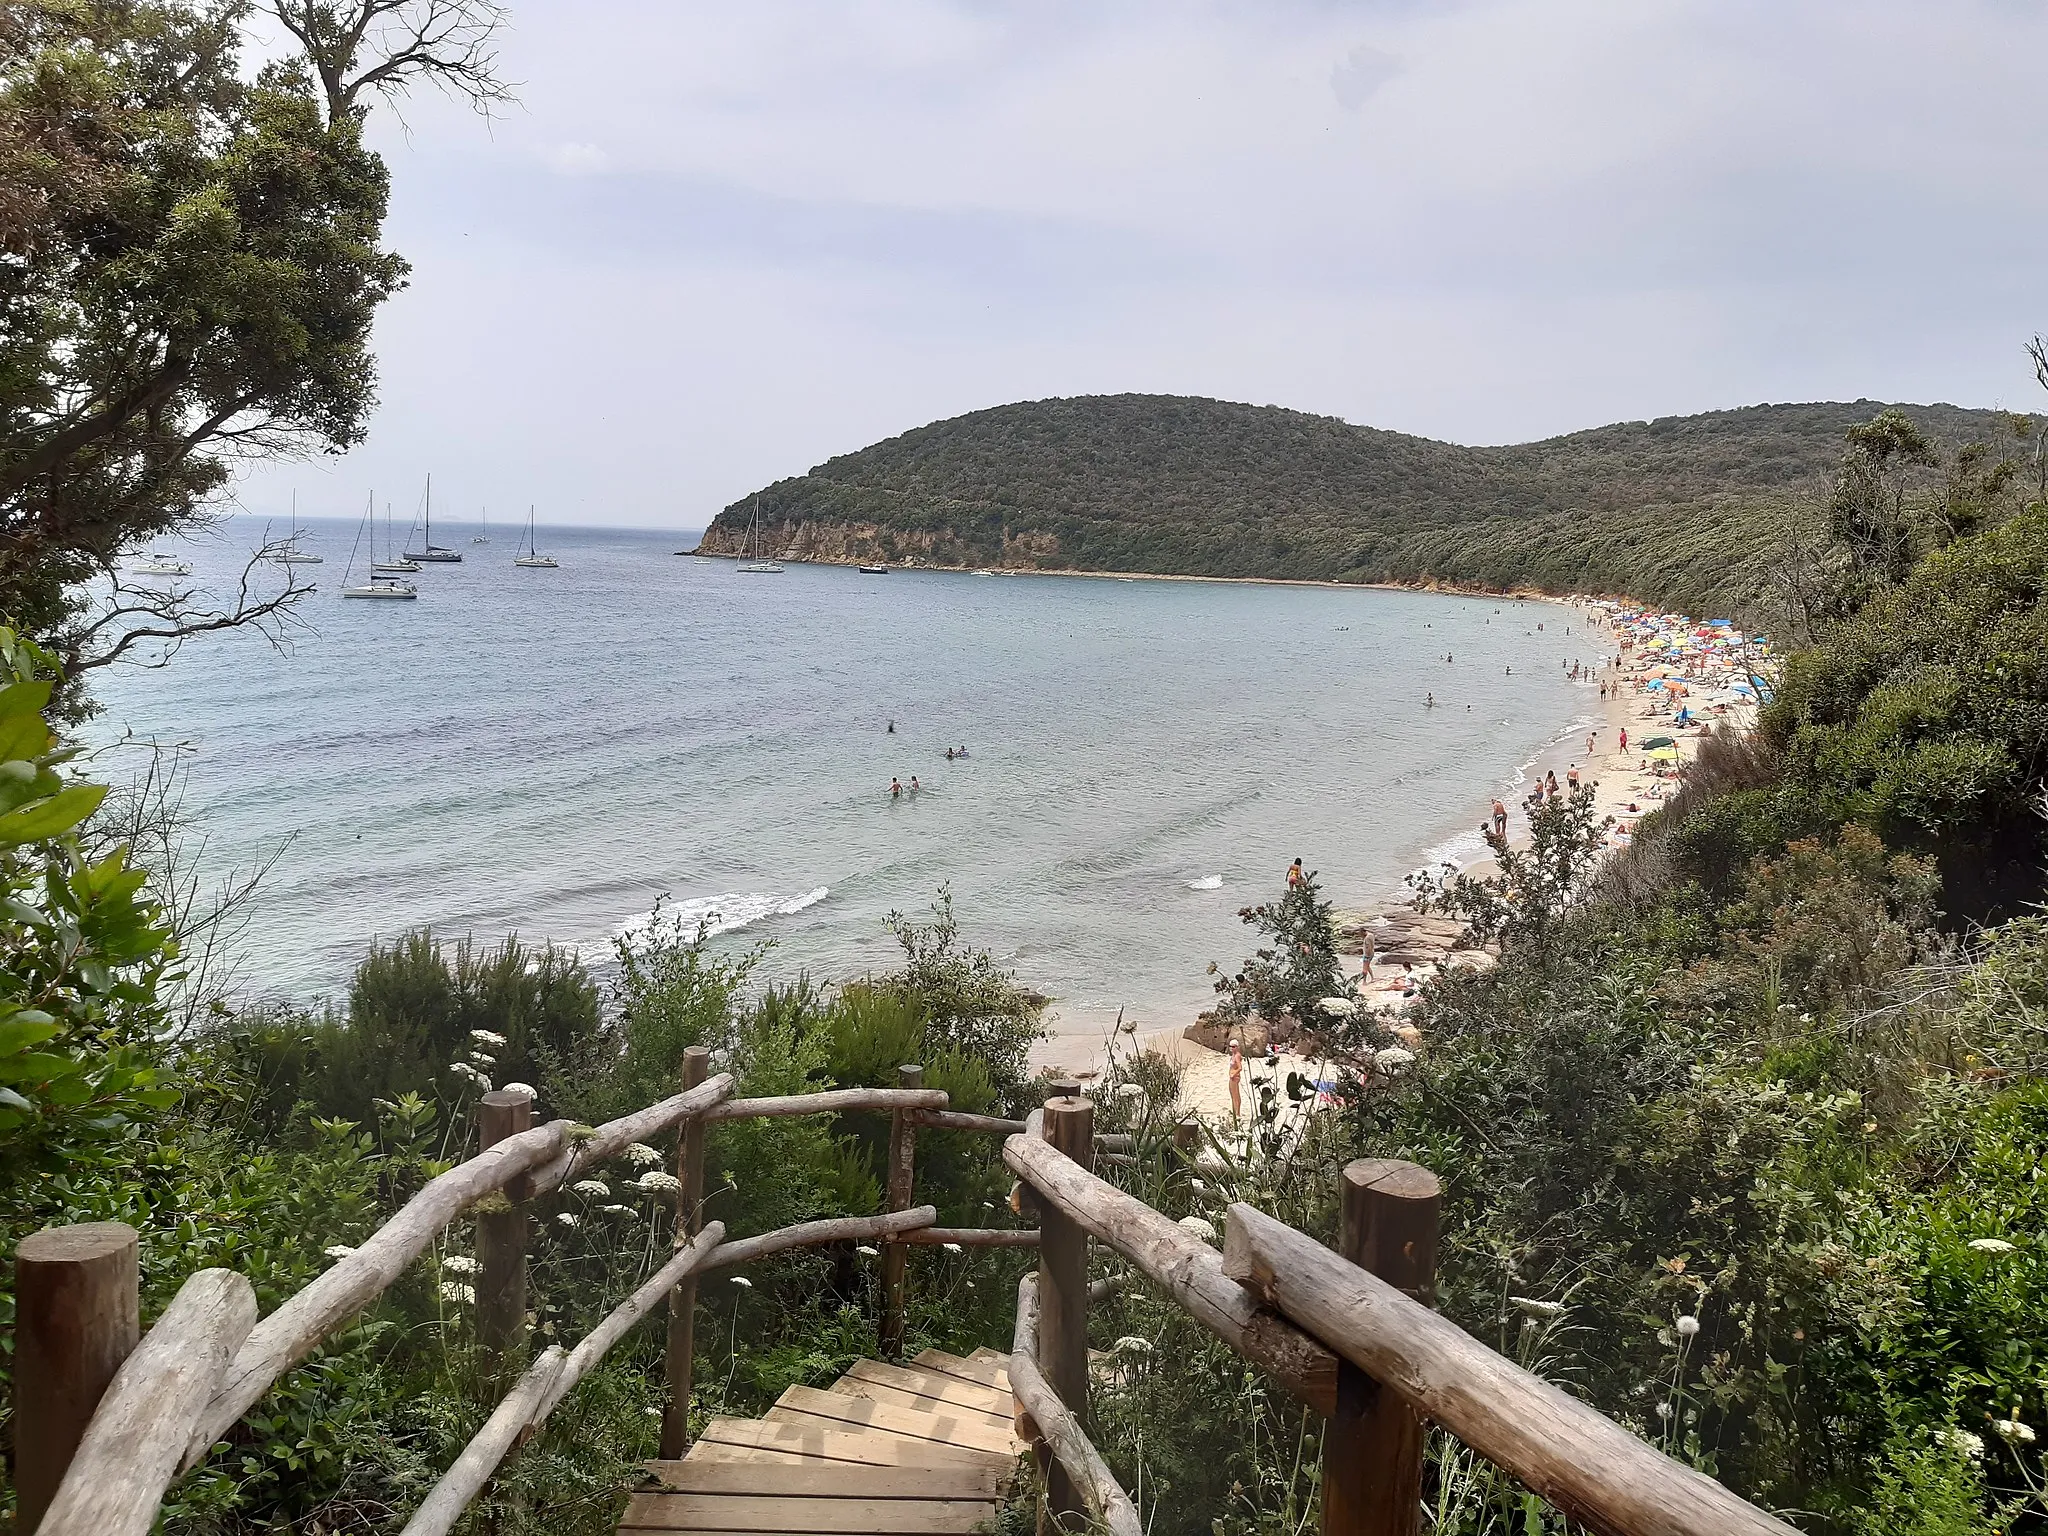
x: 1586, y: 1465
x: 131, y: 1448
x: 614, y: 1136
x: 295, y: 1329
x: 1188, y: 1269
x: 463, y: 1481
x: 836, y: 1101
x: 1057, y: 1425
x: 972, y: 1237
x: 808, y: 1234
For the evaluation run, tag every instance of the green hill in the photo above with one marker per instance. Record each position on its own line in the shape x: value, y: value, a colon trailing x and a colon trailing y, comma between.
x: 1682, y: 510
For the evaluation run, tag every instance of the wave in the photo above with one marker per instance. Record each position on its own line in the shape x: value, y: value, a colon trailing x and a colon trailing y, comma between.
x: 1207, y: 883
x: 716, y: 914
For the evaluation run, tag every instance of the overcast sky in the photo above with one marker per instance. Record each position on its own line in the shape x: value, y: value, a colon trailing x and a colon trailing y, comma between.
x: 715, y: 244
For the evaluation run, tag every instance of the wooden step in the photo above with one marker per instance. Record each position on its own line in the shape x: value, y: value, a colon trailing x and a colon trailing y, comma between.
x: 777, y: 1513
x: 987, y: 1373
x: 927, y: 1391
x: 974, y: 1431
x: 816, y: 1441
x: 810, y: 1479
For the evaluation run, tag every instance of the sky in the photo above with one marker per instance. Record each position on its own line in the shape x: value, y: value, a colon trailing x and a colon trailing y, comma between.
x: 712, y: 245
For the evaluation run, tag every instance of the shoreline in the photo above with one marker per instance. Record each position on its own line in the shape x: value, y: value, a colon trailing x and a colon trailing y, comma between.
x: 1641, y: 698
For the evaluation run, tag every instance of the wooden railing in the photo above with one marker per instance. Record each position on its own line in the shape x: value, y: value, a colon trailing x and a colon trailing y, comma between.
x: 106, y: 1418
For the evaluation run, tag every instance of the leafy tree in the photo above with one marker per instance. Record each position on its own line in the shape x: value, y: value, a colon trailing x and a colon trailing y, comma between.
x: 1287, y: 977
x: 193, y: 268
x: 964, y: 1002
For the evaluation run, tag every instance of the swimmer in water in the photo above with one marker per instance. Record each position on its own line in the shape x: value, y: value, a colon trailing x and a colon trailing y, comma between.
x: 1429, y: 701
x: 914, y: 785
x: 895, y: 790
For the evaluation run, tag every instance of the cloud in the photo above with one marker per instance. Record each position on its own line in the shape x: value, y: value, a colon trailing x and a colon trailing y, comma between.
x: 575, y: 159
x: 1364, y: 70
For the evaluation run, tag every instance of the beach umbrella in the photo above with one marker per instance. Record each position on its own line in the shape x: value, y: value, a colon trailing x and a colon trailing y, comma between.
x: 1658, y: 741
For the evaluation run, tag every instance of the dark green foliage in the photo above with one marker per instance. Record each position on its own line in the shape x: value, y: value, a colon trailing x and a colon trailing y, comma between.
x: 193, y: 252
x: 1689, y: 511
x: 1926, y: 717
x: 1290, y: 975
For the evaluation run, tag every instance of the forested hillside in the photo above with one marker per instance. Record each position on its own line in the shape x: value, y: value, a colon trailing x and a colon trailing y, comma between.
x: 1684, y: 510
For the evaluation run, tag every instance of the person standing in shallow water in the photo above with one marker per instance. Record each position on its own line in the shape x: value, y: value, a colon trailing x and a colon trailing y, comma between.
x: 895, y: 790
x: 1500, y: 819
x: 1294, y: 874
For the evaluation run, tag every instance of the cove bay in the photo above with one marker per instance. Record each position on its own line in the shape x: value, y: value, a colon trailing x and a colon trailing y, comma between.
x: 551, y: 751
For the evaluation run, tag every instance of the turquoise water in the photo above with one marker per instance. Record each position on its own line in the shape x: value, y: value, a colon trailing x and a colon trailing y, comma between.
x: 549, y: 751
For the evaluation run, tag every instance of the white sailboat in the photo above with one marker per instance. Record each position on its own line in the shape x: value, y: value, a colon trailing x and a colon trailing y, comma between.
x: 393, y: 561
x: 157, y: 563
x: 430, y: 552
x: 754, y: 565
x: 377, y: 586
x: 533, y: 559
x: 483, y: 536
x: 291, y: 554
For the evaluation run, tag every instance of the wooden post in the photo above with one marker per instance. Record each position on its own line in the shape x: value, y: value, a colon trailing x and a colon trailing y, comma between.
x: 1063, y: 1301
x: 1372, y: 1445
x: 501, y: 1240
x: 78, y: 1315
x: 682, y: 1301
x: 902, y: 1185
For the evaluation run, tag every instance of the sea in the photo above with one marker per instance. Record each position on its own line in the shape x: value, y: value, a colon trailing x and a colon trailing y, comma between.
x: 553, y: 753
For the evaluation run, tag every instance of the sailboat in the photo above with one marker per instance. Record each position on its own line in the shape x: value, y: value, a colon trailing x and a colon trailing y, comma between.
x: 533, y: 559
x: 291, y: 554
x: 392, y: 561
x: 431, y: 552
x: 378, y: 586
x: 483, y: 537
x: 157, y: 563
x: 754, y: 565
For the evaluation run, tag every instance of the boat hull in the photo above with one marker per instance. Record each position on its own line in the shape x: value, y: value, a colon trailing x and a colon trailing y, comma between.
x: 537, y: 562
x: 401, y: 590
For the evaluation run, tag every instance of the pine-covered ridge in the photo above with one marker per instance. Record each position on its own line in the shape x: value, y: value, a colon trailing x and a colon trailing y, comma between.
x: 1683, y: 510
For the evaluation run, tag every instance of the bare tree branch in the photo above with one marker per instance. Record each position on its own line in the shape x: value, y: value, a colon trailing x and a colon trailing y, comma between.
x: 180, y: 612
x: 358, y: 47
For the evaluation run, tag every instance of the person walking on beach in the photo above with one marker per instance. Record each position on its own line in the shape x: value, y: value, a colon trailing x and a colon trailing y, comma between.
x: 1500, y: 818
x: 1624, y: 738
x: 1236, y: 1076
x: 1294, y: 874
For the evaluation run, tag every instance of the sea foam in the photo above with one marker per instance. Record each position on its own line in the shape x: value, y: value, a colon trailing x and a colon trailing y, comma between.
x: 716, y: 914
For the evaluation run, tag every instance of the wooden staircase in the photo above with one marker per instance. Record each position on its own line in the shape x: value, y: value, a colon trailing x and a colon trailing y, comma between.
x: 923, y: 1449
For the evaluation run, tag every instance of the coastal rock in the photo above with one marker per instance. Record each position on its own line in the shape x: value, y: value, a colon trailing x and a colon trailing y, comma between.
x: 1213, y: 1034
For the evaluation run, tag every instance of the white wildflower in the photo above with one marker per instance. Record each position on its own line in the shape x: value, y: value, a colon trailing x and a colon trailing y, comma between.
x: 455, y: 1290
x: 1338, y: 1007
x: 1961, y: 1440
x: 1534, y: 1308
x: 616, y: 1210
x: 478, y: 1058
x: 655, y: 1182
x: 1688, y: 1326
x: 743, y: 1282
x: 1990, y: 1245
x: 1392, y: 1059
x: 1201, y: 1228
x: 524, y: 1090
x: 1130, y: 1090
x: 569, y: 1219
x: 1663, y: 1410
x: 337, y: 1250
x: 952, y: 1247
x: 1197, y: 1185
x: 865, y: 1251
x: 486, y: 1037
x: 640, y: 1155
x: 2013, y: 1431
x: 595, y: 1189
x: 459, y: 1264
x: 1131, y: 1344
x: 652, y: 1413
